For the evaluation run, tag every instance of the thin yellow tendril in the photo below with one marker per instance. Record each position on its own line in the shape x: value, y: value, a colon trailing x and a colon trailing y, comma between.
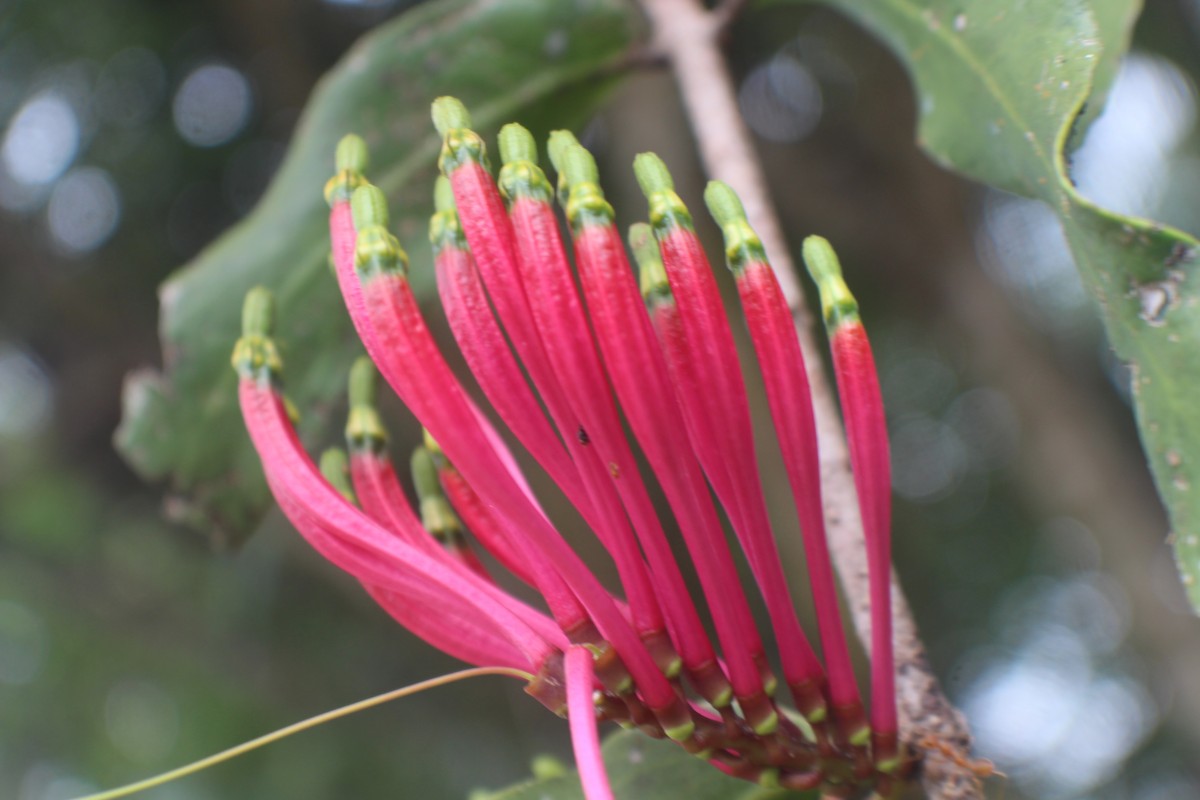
x: 303, y: 725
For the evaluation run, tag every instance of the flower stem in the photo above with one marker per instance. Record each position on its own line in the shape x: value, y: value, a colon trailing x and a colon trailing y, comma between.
x: 299, y: 727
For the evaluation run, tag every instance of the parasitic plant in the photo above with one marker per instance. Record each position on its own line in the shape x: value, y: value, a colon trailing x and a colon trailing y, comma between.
x: 571, y: 353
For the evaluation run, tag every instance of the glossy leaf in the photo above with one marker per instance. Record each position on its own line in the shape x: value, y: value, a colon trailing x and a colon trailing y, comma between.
x: 642, y: 768
x: 1002, y: 85
x: 544, y: 62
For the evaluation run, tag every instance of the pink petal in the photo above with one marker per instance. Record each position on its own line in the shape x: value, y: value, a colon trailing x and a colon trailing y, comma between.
x: 581, y: 714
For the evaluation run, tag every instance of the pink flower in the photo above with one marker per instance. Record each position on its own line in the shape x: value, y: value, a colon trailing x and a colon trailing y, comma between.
x: 567, y: 358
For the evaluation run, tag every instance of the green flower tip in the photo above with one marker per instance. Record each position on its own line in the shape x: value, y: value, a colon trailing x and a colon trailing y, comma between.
x: 443, y: 195
x: 449, y: 113
x: 557, y: 147
x: 255, y: 354
x: 769, y: 779
x: 742, y: 244
x: 517, y: 144
x: 579, y: 166
x: 424, y: 473
x: 723, y: 203
x: 644, y: 246
x: 652, y: 174
x: 652, y: 276
x: 368, y: 204
x: 258, y: 312
x: 335, y: 468
x: 351, y: 154
x: 363, y: 377
x: 837, y: 303
x: 547, y: 767
x: 682, y: 732
x: 430, y: 443
x: 364, y: 428
x: 822, y: 262
x: 767, y: 725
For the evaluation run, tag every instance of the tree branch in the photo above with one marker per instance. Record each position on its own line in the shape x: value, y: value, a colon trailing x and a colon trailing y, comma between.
x: 931, y: 727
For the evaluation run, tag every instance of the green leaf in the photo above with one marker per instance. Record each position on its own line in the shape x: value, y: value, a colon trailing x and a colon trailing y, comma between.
x: 641, y: 768
x: 545, y: 62
x: 1001, y: 86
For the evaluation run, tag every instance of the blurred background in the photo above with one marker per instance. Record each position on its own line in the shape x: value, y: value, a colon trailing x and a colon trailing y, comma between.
x: 1028, y: 535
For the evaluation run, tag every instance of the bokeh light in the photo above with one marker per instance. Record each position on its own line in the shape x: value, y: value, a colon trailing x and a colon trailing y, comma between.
x: 781, y: 100
x: 212, y: 105
x: 42, y: 139
x: 84, y: 210
x: 26, y: 394
x: 1126, y: 161
x: 1052, y: 707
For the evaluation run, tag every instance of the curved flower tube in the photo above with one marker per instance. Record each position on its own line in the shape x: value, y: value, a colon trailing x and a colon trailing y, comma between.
x: 568, y: 352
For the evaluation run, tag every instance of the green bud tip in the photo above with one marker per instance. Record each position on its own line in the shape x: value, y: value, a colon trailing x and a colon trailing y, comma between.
x: 888, y: 765
x: 822, y: 262
x: 517, y: 144
x: 443, y: 195
x: 430, y: 443
x: 837, y: 303
x: 557, y: 147
x: 723, y: 203
x: 767, y: 725
x: 363, y: 377
x: 335, y: 468
x: 424, y: 474
x: 258, y: 312
x: 652, y: 275
x: 364, y: 428
x: 547, y: 767
x: 369, y: 206
x: 351, y: 154
x: 652, y: 174
x: 643, y: 244
x: 579, y: 166
x: 449, y: 113
x: 769, y: 778
x: 681, y: 732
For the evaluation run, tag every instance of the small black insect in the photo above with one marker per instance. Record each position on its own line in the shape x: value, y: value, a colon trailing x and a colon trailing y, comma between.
x: 582, y: 436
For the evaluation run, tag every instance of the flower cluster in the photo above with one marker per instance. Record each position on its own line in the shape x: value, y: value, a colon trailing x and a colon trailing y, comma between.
x: 569, y: 357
